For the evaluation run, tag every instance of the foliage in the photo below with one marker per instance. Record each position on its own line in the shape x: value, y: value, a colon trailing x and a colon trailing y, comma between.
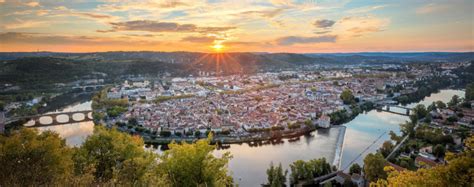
x: 440, y: 105
x: 31, y: 159
x: 347, y: 97
x: 275, y: 176
x: 165, y: 133
x: 355, y: 168
x: 386, y: 148
x: 408, y: 128
x: 394, y: 137
x: 373, y: 167
x: 457, y: 172
x: 439, y: 150
x: 432, y: 136
x: 116, y: 111
x: 419, y: 112
x: 114, y: 156
x: 469, y: 95
x: 455, y: 100
x: 303, y: 171
x: 194, y: 165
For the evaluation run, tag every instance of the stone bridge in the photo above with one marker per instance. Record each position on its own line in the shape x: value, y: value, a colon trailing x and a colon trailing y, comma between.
x: 58, y: 118
x: 87, y: 88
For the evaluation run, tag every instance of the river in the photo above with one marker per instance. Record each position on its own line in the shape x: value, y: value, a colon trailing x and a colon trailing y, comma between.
x: 363, y: 135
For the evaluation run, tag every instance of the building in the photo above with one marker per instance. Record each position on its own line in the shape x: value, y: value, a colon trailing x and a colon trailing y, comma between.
x: 324, y: 121
x: 423, y: 162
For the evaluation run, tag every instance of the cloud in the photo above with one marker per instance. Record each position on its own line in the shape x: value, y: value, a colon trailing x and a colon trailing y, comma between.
x: 32, y: 4
x: 358, y: 30
x: 199, y: 39
x: 143, y: 5
x: 322, y: 32
x: 324, y: 23
x: 430, y: 8
x: 290, y: 40
x: 359, y: 25
x: 92, y: 15
x: 264, y: 13
x: 365, y: 9
x: 20, y: 24
x: 155, y: 26
x: 54, y: 39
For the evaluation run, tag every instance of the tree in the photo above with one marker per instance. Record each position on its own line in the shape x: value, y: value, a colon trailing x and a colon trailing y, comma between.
x: 197, y: 134
x: 347, y: 97
x: 439, y: 150
x: 355, y: 168
x: 432, y: 107
x: 455, y: 100
x: 394, y: 137
x: 457, y: 172
x: 386, y: 148
x: 419, y: 112
x: 408, y: 128
x: 31, y: 159
x: 373, y: 167
x: 2, y: 105
x: 275, y: 176
x: 194, y: 165
x: 303, y: 171
x: 114, y: 156
x: 469, y: 95
x: 440, y: 105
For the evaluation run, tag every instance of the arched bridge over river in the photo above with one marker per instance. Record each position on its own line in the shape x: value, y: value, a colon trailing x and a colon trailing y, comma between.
x: 61, y: 118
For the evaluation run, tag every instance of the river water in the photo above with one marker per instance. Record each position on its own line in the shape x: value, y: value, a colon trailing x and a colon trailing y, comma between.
x: 363, y: 135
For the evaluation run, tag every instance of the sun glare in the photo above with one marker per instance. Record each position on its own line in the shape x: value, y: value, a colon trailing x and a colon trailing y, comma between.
x: 218, y: 47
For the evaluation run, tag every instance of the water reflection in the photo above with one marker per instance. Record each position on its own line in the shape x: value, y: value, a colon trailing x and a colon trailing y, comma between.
x: 249, y: 162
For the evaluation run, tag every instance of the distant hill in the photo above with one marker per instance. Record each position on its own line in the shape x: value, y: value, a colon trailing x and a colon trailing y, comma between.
x: 383, y: 57
x: 41, y: 69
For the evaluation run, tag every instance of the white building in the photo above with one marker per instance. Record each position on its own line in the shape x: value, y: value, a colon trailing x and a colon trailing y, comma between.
x: 324, y: 121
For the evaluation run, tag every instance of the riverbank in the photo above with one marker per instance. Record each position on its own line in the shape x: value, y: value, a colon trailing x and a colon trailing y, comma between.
x: 270, y: 136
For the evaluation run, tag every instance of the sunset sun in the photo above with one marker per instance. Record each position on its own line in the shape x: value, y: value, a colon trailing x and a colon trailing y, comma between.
x: 217, y: 47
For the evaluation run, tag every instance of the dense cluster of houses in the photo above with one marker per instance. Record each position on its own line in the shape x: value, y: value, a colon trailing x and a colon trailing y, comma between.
x: 234, y: 103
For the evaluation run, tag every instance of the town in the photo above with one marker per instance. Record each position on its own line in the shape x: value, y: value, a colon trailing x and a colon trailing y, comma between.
x: 248, y: 107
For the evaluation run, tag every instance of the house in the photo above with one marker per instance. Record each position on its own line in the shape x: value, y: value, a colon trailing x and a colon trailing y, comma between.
x: 358, y: 180
x: 427, y: 149
x: 324, y: 121
x: 423, y: 162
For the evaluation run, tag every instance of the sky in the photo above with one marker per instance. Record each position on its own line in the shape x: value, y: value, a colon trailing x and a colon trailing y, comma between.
x: 302, y: 26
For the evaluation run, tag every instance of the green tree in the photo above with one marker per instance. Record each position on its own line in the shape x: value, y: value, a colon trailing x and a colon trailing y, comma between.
x: 304, y: 171
x: 440, y: 105
x: 386, y: 148
x: 455, y: 100
x: 194, y: 165
x: 275, y: 176
x: 347, y: 97
x: 431, y: 107
x: 395, y: 137
x: 457, y: 172
x: 469, y: 95
x: 31, y: 159
x: 408, y: 128
x: 439, y: 150
x: 114, y: 156
x: 197, y: 134
x: 2, y: 105
x: 373, y: 167
x: 355, y: 168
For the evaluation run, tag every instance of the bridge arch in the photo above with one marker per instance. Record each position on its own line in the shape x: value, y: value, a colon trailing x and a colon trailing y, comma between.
x: 78, y: 116
x: 62, y: 118
x: 46, y: 120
